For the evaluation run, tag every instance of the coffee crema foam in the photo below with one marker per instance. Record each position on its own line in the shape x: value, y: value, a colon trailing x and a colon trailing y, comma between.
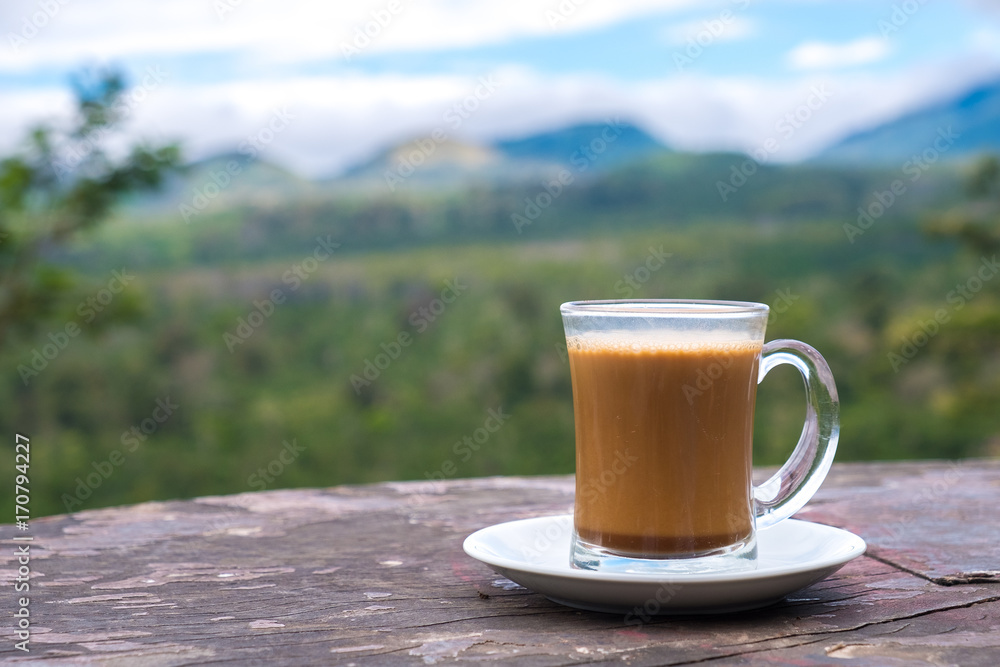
x: 695, y: 342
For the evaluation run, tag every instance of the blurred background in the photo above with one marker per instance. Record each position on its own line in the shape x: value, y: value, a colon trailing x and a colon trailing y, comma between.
x: 249, y: 245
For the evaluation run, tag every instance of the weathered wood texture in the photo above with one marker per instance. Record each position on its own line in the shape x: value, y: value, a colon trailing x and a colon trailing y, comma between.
x: 375, y: 575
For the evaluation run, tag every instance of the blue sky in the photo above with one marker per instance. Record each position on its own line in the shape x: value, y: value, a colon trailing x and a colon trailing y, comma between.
x: 212, y: 72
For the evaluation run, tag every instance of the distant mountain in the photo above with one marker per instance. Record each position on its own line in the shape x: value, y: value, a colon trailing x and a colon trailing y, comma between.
x: 425, y: 162
x: 217, y: 181
x: 605, y: 144
x: 957, y: 128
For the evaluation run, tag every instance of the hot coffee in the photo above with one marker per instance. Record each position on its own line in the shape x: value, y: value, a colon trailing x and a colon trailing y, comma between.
x: 664, y: 434
x: 663, y: 396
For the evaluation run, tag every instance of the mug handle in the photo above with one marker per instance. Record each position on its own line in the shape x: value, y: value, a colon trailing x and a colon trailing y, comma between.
x: 791, y: 487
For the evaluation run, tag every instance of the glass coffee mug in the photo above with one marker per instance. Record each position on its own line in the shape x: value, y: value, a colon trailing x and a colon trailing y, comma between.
x: 663, y: 402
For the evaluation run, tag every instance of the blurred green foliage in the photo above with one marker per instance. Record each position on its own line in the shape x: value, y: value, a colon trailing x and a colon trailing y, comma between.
x: 253, y: 329
x: 63, y: 182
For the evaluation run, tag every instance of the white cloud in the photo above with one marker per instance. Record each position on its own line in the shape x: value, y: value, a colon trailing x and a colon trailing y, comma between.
x: 826, y: 55
x: 341, y: 118
x: 338, y: 121
x: 709, y: 30
x: 289, y: 31
x: 25, y: 109
x: 986, y: 40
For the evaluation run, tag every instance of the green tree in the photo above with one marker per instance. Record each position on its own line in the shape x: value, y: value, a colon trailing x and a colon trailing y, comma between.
x: 61, y: 182
x: 967, y: 346
x: 975, y: 222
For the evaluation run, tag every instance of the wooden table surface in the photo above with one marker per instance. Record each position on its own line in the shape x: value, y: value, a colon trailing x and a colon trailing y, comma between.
x: 376, y: 575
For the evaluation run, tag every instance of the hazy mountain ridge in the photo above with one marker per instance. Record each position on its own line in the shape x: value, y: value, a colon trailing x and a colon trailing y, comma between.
x: 951, y: 129
x: 614, y: 141
x: 946, y: 131
x: 217, y: 182
x: 429, y: 162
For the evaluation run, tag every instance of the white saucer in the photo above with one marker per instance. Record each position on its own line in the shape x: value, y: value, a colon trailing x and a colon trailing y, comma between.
x: 535, y: 554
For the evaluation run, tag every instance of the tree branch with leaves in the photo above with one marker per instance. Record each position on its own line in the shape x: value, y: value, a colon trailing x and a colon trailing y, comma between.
x: 59, y: 184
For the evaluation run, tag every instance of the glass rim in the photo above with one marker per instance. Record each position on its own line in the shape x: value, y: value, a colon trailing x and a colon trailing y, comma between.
x: 663, y: 307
